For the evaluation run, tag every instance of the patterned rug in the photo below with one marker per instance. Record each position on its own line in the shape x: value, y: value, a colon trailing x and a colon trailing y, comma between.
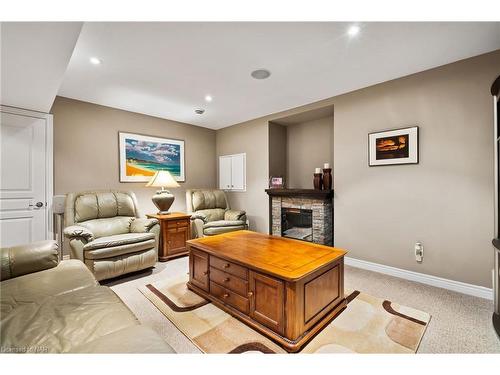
x: 367, y: 325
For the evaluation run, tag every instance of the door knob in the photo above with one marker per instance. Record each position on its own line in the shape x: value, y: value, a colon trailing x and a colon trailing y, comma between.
x: 37, y: 205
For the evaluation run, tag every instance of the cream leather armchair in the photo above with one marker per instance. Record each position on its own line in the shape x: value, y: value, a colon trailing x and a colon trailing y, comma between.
x: 211, y: 214
x: 106, y: 233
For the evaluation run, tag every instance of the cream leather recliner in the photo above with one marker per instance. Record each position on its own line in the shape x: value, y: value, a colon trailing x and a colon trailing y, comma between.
x: 106, y: 233
x: 211, y: 214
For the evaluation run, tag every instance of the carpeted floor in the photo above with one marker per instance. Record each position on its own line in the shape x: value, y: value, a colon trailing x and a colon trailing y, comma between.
x: 459, y: 324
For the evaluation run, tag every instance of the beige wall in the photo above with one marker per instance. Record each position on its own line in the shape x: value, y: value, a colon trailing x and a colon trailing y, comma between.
x: 86, y: 150
x: 446, y: 201
x: 251, y: 138
x: 309, y: 146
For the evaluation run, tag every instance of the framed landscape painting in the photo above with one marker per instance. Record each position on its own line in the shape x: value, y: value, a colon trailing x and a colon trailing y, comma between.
x: 390, y: 147
x: 141, y: 156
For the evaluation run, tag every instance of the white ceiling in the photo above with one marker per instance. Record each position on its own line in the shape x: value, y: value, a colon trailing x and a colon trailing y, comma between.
x: 165, y: 69
x: 34, y: 57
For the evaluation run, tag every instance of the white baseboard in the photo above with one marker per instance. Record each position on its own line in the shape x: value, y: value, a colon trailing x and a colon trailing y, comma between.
x: 456, y: 286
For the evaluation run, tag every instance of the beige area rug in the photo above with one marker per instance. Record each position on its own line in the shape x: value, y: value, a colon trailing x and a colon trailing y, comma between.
x: 367, y: 325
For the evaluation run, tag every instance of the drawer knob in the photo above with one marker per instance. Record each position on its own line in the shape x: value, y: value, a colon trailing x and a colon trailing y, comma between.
x: 250, y: 294
x: 226, y: 280
x: 225, y: 295
x: 226, y: 265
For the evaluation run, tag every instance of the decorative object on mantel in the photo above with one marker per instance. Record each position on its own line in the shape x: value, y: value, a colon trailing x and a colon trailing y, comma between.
x: 276, y: 182
x: 163, y: 199
x: 398, y: 146
x: 142, y: 155
x: 318, y: 179
x: 327, y: 177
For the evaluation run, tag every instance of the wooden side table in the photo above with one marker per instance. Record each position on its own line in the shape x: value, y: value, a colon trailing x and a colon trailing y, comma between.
x: 175, y: 230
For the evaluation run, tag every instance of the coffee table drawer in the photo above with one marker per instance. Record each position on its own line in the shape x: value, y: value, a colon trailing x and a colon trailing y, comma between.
x: 229, y: 281
x: 229, y: 267
x: 229, y: 297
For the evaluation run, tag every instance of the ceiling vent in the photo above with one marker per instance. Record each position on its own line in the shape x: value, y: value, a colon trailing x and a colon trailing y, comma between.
x: 260, y: 74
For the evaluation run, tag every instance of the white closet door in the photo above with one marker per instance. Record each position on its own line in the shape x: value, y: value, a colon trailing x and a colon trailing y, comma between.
x: 225, y: 172
x: 23, y: 195
x: 238, y: 172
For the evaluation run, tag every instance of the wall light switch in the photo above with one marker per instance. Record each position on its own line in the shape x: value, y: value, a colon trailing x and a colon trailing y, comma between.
x: 419, y: 252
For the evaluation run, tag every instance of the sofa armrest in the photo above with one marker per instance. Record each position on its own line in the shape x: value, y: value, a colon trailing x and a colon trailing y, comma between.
x: 77, y: 231
x: 34, y: 257
x: 199, y: 216
x: 232, y: 215
x: 142, y: 225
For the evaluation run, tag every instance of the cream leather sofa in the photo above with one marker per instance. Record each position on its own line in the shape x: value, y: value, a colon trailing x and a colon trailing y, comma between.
x: 52, y: 307
x: 211, y: 214
x: 106, y: 233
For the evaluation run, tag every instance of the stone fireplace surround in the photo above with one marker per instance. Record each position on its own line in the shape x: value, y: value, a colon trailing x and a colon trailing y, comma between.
x: 319, y: 201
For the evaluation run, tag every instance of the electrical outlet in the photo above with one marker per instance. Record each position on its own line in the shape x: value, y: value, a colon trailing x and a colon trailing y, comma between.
x: 419, y: 252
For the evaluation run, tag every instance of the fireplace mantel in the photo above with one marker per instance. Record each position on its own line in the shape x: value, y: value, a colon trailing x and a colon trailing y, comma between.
x: 306, y: 193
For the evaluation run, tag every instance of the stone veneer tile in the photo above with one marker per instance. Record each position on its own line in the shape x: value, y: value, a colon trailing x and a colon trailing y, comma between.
x: 321, y: 211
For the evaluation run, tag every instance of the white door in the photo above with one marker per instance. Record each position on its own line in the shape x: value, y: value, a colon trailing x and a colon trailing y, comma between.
x: 225, y: 172
x: 238, y: 172
x: 24, y: 157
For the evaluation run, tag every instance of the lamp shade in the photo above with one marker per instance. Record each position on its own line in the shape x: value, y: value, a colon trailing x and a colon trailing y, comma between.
x: 163, y: 179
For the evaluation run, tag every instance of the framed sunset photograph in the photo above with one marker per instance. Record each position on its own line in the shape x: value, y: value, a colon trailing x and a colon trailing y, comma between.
x: 142, y: 155
x: 390, y: 147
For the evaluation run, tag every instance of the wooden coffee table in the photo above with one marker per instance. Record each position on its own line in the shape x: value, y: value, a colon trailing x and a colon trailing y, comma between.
x: 286, y: 289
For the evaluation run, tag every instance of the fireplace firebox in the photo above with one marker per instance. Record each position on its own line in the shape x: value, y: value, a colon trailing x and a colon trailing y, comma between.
x: 297, y: 223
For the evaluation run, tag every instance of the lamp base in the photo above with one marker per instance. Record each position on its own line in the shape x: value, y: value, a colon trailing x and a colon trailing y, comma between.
x: 163, y: 199
x: 163, y: 213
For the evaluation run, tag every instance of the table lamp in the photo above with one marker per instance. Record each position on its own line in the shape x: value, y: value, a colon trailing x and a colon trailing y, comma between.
x: 163, y: 199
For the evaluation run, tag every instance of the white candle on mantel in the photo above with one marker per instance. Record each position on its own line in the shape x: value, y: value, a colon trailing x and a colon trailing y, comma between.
x: 317, y: 170
x: 326, y: 166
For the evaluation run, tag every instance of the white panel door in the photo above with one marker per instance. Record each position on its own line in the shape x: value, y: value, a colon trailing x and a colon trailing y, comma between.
x: 238, y: 172
x: 23, y: 160
x: 225, y: 172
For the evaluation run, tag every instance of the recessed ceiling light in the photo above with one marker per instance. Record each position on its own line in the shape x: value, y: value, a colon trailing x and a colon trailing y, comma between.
x: 208, y: 98
x: 261, y: 74
x: 95, y: 60
x: 199, y: 111
x: 353, y: 30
